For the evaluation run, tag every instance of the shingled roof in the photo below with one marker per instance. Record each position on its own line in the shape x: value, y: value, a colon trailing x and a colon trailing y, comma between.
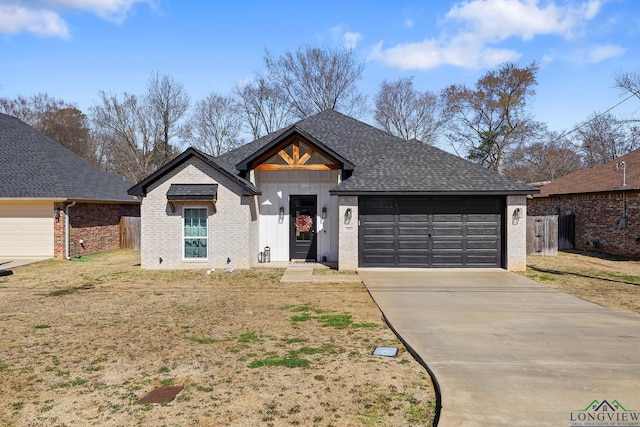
x: 385, y: 164
x: 604, y: 178
x: 35, y: 167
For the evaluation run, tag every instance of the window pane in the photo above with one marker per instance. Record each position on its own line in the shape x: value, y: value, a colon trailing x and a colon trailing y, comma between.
x: 195, y: 233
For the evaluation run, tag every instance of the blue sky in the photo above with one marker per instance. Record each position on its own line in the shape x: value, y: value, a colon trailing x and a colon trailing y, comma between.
x: 72, y: 49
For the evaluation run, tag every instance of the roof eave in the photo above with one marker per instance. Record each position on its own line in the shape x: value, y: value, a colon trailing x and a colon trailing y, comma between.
x: 575, y: 193
x: 430, y: 193
x: 244, y: 164
x: 140, y: 189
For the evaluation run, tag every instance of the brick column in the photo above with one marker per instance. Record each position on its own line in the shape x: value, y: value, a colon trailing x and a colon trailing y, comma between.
x: 348, y: 233
x: 516, y: 233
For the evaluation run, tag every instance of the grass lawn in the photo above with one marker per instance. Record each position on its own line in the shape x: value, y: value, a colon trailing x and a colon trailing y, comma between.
x: 608, y: 280
x: 83, y: 342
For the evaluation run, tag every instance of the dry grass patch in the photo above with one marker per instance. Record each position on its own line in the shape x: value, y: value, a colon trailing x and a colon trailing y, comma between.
x: 607, y: 280
x: 84, y: 341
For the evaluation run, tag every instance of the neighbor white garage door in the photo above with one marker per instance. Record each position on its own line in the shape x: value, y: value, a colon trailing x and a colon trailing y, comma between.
x: 26, y: 229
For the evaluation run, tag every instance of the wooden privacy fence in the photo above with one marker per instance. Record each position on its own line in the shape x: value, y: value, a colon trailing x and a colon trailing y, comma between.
x: 129, y: 232
x: 542, y: 235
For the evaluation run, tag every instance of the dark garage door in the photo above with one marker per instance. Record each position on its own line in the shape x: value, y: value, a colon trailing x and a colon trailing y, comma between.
x: 445, y: 232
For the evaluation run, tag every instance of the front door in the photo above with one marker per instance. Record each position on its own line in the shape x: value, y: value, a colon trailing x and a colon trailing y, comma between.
x: 303, y: 244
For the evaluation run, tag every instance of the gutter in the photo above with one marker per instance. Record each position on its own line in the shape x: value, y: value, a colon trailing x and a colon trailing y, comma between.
x: 67, y: 230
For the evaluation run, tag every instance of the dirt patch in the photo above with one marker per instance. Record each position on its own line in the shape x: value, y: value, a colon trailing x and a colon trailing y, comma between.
x: 82, y: 343
x: 607, y: 280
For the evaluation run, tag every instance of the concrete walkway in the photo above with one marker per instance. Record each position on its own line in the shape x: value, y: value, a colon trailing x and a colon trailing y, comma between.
x: 303, y: 273
x: 506, y: 351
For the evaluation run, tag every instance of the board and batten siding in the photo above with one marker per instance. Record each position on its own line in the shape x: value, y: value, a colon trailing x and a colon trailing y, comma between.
x: 26, y: 228
x: 276, y: 187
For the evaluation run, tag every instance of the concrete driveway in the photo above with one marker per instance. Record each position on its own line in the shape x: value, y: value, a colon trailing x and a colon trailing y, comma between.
x: 9, y: 263
x: 506, y: 351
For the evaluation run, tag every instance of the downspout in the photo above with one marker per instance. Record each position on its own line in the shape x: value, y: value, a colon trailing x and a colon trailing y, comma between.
x: 67, y: 231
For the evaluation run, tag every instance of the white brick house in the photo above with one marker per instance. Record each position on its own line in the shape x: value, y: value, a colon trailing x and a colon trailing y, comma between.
x: 331, y: 188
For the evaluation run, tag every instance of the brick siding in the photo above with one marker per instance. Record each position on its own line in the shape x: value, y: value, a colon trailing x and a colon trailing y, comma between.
x: 97, y: 225
x: 348, y: 233
x: 232, y: 229
x: 598, y: 226
x: 516, y: 234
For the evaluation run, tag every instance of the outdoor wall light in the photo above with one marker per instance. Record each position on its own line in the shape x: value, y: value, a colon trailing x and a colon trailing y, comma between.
x: 347, y: 216
x: 57, y: 213
x: 517, y: 215
x: 281, y: 215
x: 324, y: 213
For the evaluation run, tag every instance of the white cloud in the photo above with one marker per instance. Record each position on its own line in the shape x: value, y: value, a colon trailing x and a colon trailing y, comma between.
x: 45, y: 23
x: 602, y: 52
x: 497, y: 20
x: 351, y: 39
x: 112, y: 10
x: 473, y: 30
x: 409, y: 23
x: 348, y: 39
x: 44, y: 17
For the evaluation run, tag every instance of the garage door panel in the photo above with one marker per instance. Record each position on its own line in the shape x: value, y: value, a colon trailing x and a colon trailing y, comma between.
x: 481, y: 218
x: 447, y: 245
x: 379, y: 245
x: 482, y: 244
x: 387, y: 260
x: 431, y: 231
x: 26, y: 229
x: 442, y: 232
x: 413, y: 218
x: 480, y: 261
x: 416, y: 230
x: 379, y: 230
x: 412, y: 260
x: 481, y: 231
x: 413, y: 244
x: 447, y: 218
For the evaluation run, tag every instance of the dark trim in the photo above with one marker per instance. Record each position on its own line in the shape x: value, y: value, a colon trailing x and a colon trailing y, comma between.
x: 591, y: 193
x: 140, y: 189
x: 193, y: 192
x: 428, y: 193
x: 246, y: 164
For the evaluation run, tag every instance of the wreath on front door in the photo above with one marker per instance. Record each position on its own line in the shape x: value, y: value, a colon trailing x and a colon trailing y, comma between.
x: 304, y: 223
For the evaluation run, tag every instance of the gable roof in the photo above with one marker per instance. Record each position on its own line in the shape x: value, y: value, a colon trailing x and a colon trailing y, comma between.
x: 599, y: 179
x: 35, y: 167
x: 243, y: 166
x: 140, y: 189
x: 385, y: 163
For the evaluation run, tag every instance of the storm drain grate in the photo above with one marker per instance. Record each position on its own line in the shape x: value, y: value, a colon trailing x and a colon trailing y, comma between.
x: 386, y: 351
x: 162, y: 394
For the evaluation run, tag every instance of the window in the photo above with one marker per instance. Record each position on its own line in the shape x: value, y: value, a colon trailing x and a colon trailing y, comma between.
x: 195, y: 233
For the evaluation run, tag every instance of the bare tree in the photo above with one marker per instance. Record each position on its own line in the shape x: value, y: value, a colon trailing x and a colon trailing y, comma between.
x: 166, y: 102
x: 629, y: 83
x: 263, y: 106
x: 125, y: 133
x: 406, y: 112
x: 57, y: 119
x: 604, y: 138
x: 547, y: 159
x: 215, y: 124
x: 315, y: 80
x: 486, y: 121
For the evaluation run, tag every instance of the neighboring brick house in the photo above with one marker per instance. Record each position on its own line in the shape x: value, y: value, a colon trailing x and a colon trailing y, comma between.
x: 605, y: 201
x: 54, y: 204
x: 331, y: 188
